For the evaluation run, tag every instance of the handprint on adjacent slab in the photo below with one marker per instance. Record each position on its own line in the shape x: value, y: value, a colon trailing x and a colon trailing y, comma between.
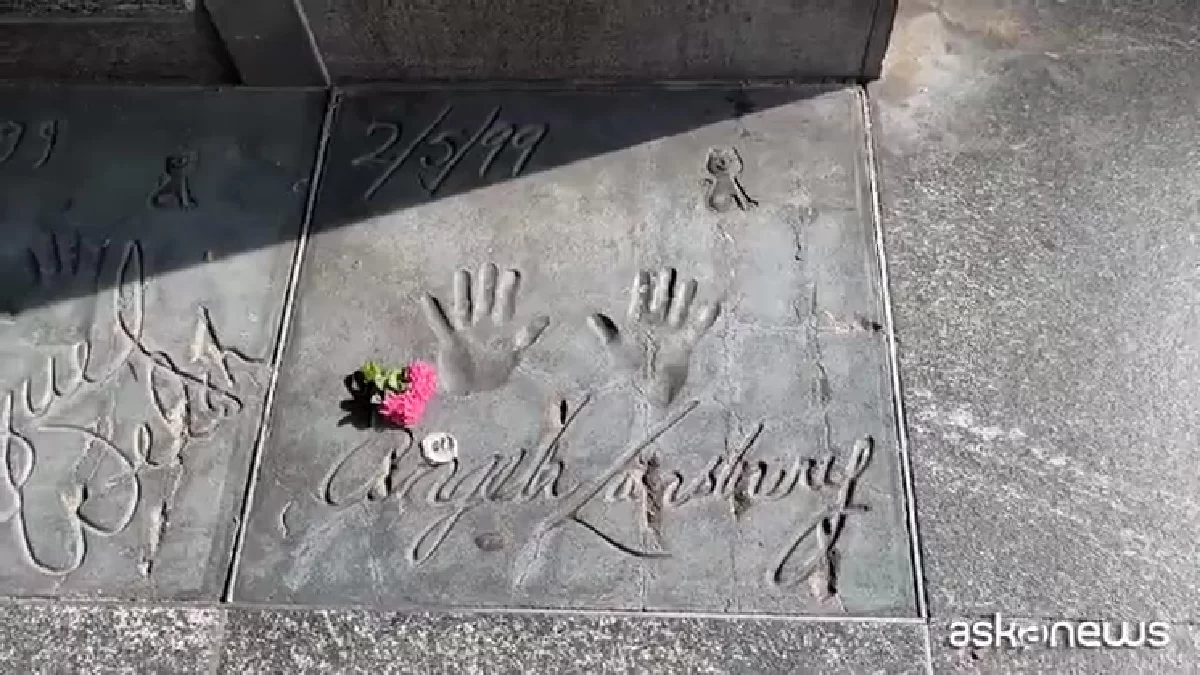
x: 80, y: 297
x: 477, y: 346
x: 56, y: 304
x: 663, y: 328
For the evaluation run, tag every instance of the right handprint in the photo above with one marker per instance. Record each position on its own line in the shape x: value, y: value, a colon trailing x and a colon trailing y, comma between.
x: 663, y: 327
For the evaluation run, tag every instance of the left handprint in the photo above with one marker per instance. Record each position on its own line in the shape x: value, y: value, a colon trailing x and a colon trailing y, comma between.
x: 477, y: 348
x: 82, y: 300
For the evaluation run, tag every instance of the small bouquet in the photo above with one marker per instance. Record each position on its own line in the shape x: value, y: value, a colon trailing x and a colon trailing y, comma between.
x: 399, y: 395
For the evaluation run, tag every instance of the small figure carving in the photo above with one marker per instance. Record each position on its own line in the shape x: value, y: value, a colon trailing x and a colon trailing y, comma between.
x: 439, y: 447
x: 725, y: 191
x: 656, y: 345
x: 477, y: 350
x: 174, y: 189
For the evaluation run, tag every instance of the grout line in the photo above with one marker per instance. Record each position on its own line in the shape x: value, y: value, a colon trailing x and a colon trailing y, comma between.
x: 217, y: 662
x: 928, y: 634
x: 289, y: 301
x: 384, y: 86
x: 893, y: 355
x: 870, y: 41
x: 468, y: 612
x: 311, y: 38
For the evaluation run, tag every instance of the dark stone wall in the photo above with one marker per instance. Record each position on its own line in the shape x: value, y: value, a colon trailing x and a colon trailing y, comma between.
x: 152, y: 41
x: 592, y: 39
x: 273, y: 42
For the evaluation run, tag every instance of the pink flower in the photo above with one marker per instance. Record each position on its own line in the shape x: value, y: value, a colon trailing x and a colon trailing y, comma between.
x: 422, y: 380
x: 404, y: 410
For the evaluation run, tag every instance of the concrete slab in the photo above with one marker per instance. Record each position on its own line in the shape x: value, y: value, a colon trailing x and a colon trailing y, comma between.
x: 1039, y: 206
x: 114, y: 637
x: 109, y: 638
x: 728, y: 447
x: 1123, y: 645
x: 139, y: 310
x: 316, y: 641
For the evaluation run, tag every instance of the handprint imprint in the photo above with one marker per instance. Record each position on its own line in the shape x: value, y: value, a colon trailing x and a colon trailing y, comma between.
x: 664, y: 327
x: 56, y: 305
x: 78, y: 299
x: 477, y: 350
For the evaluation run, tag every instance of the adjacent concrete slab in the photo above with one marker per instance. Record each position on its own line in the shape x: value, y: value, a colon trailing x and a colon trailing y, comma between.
x: 148, y: 239
x: 339, y: 641
x: 112, y: 638
x: 722, y: 446
x: 624, y: 39
x: 1040, y: 208
x: 1055, y: 646
x: 109, y: 638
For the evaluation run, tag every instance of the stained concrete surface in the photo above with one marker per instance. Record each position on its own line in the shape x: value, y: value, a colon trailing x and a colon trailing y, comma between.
x: 136, y: 334
x: 728, y: 447
x: 1035, y: 177
x: 1037, y: 171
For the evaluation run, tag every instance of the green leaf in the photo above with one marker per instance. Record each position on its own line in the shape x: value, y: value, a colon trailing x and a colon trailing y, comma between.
x: 370, y: 371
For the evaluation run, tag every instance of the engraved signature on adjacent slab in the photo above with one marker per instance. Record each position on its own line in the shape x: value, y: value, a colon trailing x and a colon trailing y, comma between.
x: 387, y: 469
x: 662, y: 330
x: 73, y: 459
x: 478, y: 348
x: 725, y: 190
x: 14, y: 133
x: 174, y: 189
x: 439, y: 152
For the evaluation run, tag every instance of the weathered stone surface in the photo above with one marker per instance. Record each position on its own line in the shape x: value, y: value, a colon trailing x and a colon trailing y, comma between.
x: 1039, y: 200
x: 605, y: 461
x: 622, y: 39
x: 148, y: 237
x: 1178, y: 656
x: 68, y: 638
x: 340, y: 641
x: 98, y: 8
x: 114, y: 638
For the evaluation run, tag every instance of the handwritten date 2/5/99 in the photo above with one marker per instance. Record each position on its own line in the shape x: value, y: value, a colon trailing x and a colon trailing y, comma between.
x: 439, y: 152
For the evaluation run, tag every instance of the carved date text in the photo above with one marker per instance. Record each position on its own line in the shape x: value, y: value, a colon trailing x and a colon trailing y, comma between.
x: 439, y: 148
x: 14, y: 135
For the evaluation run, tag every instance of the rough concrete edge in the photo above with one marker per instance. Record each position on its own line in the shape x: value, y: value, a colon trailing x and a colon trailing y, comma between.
x: 333, y: 100
x: 878, y: 38
x: 445, y: 611
x: 270, y: 42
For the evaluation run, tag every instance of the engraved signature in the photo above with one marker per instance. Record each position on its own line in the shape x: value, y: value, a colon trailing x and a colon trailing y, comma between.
x: 12, y: 133
x: 73, y: 462
x: 382, y: 471
x: 443, y: 150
